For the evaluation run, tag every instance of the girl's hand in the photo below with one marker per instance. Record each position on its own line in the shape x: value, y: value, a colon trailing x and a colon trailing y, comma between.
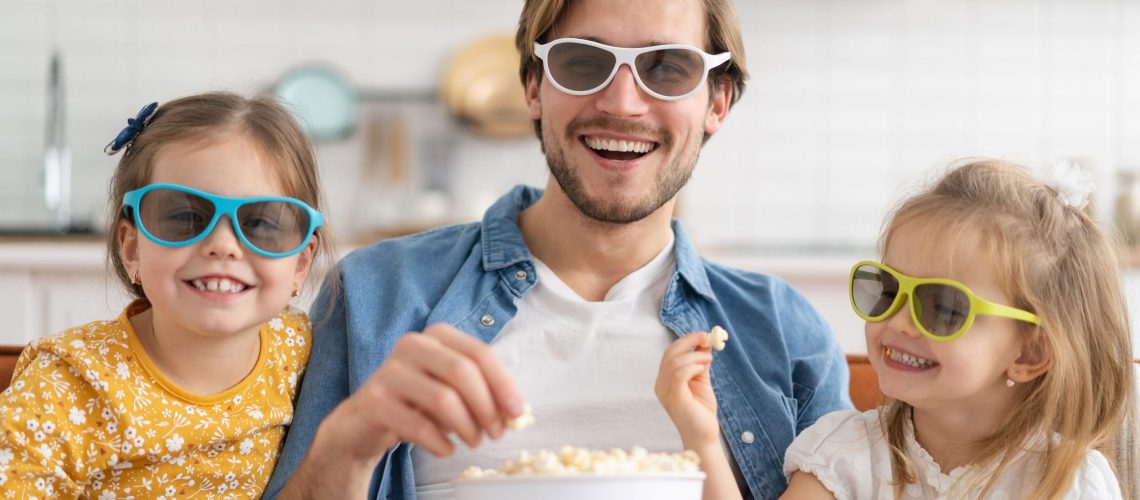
x: 685, y: 390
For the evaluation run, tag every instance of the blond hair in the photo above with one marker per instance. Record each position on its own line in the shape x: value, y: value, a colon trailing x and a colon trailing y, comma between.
x: 722, y: 35
x: 1053, y: 260
x: 213, y: 116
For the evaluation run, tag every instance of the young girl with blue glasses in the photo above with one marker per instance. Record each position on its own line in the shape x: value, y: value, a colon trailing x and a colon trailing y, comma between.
x: 214, y: 226
x: 997, y: 327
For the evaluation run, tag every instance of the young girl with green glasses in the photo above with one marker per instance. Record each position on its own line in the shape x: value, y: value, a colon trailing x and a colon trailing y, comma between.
x: 213, y: 227
x: 997, y: 327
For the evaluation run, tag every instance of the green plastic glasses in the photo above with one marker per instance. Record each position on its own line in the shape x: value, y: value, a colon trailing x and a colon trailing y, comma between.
x: 942, y: 309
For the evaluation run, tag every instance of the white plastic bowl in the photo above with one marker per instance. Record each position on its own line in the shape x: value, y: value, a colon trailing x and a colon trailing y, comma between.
x: 655, y: 486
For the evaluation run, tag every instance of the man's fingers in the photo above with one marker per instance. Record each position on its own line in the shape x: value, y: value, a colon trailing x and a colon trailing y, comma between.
x: 463, y: 375
x: 506, y: 394
x: 414, y: 427
x: 368, y: 432
x: 440, y: 402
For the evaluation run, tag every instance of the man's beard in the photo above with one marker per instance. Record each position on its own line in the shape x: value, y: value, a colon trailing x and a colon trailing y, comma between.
x: 670, y: 179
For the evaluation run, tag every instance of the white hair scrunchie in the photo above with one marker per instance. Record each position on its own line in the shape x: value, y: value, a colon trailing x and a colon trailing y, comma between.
x: 1072, y: 183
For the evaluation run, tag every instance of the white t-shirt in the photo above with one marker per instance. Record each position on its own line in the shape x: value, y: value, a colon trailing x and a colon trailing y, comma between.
x: 847, y: 451
x: 586, y: 368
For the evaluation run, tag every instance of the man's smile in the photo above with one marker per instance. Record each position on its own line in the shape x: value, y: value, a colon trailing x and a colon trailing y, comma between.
x: 618, y: 149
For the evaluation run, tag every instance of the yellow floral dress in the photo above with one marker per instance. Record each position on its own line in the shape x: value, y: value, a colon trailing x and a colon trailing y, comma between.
x: 89, y: 415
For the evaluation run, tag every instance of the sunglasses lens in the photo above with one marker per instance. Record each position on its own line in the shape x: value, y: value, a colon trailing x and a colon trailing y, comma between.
x: 579, y: 67
x: 274, y: 226
x: 671, y: 72
x: 873, y: 290
x: 174, y: 216
x: 942, y: 309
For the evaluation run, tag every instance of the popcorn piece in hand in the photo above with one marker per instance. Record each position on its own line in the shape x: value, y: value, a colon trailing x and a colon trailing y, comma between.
x: 522, y: 421
x: 716, y: 338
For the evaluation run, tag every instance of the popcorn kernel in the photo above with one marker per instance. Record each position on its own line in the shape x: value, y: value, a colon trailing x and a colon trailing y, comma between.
x: 522, y: 421
x: 716, y: 338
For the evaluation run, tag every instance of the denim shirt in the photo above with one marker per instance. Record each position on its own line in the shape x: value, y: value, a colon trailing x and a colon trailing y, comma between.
x: 781, y: 371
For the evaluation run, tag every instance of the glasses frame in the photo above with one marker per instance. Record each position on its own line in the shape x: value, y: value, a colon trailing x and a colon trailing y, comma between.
x: 907, y: 285
x: 223, y: 205
x: 628, y: 56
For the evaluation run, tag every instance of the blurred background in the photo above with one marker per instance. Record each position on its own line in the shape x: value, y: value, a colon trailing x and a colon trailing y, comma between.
x: 852, y: 103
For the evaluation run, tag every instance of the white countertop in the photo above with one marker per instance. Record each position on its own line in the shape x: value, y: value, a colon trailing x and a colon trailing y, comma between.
x: 60, y: 255
x: 89, y: 253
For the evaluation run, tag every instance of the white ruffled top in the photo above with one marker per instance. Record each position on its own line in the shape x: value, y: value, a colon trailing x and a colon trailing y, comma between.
x: 847, y: 452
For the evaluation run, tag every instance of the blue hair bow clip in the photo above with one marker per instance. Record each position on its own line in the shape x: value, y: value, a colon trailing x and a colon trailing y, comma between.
x: 134, y: 126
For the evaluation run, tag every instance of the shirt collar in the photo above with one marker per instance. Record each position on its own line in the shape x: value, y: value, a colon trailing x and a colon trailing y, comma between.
x: 690, y: 265
x: 503, y: 244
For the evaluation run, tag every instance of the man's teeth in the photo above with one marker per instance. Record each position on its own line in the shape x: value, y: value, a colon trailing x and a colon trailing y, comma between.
x: 909, y: 360
x: 619, y: 146
x: 218, y: 285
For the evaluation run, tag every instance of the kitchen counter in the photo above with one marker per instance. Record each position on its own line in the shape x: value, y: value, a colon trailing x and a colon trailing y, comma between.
x: 58, y: 253
x: 47, y: 284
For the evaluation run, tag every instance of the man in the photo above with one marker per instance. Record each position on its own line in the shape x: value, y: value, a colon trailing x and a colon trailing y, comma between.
x: 566, y: 296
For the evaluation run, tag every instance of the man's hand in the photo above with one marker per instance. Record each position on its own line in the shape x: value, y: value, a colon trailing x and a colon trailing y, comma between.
x: 436, y: 383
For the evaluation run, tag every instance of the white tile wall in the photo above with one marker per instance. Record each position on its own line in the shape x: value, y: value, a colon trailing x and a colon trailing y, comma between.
x: 862, y: 99
x: 851, y: 101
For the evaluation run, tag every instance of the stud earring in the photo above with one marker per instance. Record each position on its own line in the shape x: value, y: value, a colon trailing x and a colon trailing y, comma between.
x: 135, y: 279
x: 1009, y: 381
x: 296, y: 292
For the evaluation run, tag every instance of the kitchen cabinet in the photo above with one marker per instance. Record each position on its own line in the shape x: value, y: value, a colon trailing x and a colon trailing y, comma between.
x: 48, y: 286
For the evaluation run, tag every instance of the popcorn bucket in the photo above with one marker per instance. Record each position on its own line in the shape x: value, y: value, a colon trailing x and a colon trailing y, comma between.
x: 647, y: 486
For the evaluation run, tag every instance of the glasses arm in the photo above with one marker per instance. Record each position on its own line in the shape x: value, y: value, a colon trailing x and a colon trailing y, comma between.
x: 714, y: 60
x: 984, y: 306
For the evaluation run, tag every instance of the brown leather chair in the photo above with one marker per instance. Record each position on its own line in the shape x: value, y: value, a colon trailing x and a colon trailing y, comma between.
x: 864, y: 385
x: 8, y: 356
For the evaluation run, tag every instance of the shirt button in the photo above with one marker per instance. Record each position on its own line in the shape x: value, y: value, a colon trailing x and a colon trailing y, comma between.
x: 487, y: 320
x: 747, y: 437
x: 520, y: 275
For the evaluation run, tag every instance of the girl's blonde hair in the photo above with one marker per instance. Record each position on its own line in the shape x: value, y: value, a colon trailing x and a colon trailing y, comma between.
x: 1053, y: 260
x: 213, y: 116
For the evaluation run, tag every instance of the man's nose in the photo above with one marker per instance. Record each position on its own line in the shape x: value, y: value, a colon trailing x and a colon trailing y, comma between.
x: 222, y: 242
x: 623, y: 96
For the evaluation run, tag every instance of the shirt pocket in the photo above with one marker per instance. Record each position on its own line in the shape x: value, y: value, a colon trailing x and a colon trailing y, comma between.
x: 801, y: 398
x: 791, y: 407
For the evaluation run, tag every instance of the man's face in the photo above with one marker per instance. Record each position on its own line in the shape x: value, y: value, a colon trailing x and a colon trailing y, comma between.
x: 621, y: 154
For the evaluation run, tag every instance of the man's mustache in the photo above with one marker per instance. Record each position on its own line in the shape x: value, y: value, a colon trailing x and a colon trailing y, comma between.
x: 660, y: 135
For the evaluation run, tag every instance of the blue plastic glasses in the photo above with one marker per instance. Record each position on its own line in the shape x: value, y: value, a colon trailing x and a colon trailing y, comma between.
x: 177, y: 216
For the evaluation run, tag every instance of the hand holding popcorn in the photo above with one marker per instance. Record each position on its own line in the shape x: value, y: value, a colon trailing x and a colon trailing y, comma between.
x: 684, y: 388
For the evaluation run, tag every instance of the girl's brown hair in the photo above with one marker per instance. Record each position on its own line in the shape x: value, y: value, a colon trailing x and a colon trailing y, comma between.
x: 212, y: 116
x: 1053, y: 260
